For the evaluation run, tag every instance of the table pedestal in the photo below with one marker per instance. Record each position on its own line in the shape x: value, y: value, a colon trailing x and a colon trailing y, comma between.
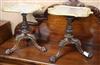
x: 69, y: 39
x: 25, y: 34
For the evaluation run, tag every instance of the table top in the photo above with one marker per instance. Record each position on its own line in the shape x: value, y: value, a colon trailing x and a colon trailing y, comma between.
x: 64, y: 10
x: 22, y: 8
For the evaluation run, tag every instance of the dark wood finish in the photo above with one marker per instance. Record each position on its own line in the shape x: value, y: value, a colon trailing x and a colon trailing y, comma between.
x: 86, y: 29
x: 5, y: 31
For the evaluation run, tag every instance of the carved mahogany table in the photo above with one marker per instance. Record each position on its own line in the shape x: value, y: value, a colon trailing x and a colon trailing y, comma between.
x: 24, y: 9
x: 70, y: 12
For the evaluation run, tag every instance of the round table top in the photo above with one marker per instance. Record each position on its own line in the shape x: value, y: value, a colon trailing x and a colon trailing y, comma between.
x: 64, y: 10
x: 22, y: 8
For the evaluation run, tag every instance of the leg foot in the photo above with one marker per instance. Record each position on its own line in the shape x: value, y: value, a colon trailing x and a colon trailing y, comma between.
x: 8, y: 51
x: 88, y: 54
x: 53, y: 59
x: 43, y: 49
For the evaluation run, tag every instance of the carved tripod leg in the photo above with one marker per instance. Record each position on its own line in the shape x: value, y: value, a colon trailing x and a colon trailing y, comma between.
x: 16, y: 46
x: 77, y: 43
x: 32, y: 37
x: 9, y: 51
x: 62, y: 43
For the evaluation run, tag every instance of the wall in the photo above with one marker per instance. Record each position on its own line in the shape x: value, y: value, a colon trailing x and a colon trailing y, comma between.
x: 15, y: 18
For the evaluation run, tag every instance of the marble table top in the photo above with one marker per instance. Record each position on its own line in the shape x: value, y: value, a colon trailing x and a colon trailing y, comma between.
x: 70, y: 11
x: 22, y: 8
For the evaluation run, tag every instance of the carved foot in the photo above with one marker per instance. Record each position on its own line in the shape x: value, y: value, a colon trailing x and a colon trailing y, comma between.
x: 88, y: 54
x: 9, y: 51
x: 53, y: 59
x: 43, y: 49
